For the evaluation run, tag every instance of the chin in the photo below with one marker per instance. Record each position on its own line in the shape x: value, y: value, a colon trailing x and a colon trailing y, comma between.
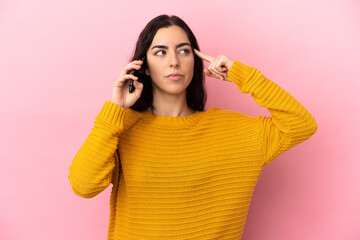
x: 174, y: 89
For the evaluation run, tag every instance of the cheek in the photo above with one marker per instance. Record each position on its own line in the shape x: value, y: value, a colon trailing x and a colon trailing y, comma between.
x: 191, y: 67
x: 152, y: 69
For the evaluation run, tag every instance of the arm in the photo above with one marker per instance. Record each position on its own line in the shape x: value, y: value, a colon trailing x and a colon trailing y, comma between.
x: 290, y: 123
x: 91, y: 170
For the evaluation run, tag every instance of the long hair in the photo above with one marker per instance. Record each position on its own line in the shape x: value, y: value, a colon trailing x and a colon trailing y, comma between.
x: 195, y: 92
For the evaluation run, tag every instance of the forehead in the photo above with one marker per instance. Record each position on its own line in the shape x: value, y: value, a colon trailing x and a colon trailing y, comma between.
x: 170, y: 36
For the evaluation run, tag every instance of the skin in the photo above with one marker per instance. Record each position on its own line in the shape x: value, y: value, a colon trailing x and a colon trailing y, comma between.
x: 169, y: 95
x: 219, y: 66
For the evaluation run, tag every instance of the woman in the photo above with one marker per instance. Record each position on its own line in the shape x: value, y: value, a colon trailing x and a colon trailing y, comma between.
x: 179, y: 172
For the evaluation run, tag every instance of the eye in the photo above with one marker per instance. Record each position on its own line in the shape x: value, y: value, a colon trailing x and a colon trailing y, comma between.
x: 187, y: 51
x: 157, y: 53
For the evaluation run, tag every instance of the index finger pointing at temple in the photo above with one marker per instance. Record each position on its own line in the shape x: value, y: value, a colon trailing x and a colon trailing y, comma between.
x: 203, y: 56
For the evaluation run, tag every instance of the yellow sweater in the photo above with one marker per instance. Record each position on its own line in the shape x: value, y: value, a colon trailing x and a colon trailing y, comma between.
x: 187, y: 177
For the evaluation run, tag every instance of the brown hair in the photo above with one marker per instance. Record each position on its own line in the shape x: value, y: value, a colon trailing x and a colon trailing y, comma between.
x: 195, y: 92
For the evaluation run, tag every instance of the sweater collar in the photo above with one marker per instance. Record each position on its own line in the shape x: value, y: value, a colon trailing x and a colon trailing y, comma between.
x: 173, y: 122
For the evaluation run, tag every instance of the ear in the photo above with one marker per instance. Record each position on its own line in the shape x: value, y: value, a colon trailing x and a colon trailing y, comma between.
x: 147, y: 72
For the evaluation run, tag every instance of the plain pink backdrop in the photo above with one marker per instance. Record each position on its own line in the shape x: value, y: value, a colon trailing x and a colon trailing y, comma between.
x: 58, y: 62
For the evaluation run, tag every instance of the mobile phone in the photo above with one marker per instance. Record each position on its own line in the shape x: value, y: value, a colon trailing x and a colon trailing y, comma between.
x: 133, y: 72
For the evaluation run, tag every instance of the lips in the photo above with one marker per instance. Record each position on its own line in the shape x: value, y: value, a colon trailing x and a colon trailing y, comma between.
x: 175, y: 76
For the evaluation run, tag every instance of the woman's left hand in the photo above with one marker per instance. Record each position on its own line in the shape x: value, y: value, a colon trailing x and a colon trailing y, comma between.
x: 219, y: 66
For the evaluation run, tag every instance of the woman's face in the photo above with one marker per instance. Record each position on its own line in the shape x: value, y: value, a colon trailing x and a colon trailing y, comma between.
x: 170, y: 52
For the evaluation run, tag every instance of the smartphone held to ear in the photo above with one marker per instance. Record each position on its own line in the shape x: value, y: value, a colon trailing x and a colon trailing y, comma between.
x: 131, y: 86
x: 133, y: 71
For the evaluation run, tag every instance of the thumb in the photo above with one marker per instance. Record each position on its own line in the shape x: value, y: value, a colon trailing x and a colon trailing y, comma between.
x: 207, y: 72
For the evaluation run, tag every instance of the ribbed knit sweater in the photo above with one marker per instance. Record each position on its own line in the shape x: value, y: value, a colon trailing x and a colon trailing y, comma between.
x: 187, y: 177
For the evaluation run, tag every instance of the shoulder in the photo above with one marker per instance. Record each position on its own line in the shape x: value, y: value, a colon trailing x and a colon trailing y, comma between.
x: 216, y: 111
x: 132, y: 117
x: 222, y: 115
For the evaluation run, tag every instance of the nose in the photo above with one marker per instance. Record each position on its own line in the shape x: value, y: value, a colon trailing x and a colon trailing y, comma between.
x: 174, y: 61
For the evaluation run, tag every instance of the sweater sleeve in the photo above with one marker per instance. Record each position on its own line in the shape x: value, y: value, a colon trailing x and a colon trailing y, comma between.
x: 91, y: 170
x: 290, y: 123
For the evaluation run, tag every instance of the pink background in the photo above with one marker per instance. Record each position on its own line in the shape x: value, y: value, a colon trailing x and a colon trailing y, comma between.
x: 58, y: 62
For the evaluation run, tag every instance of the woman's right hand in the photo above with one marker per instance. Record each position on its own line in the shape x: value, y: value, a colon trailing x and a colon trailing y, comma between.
x: 120, y: 93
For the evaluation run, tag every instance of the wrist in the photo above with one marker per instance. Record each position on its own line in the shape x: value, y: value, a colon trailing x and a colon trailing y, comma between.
x: 120, y: 105
x: 229, y: 64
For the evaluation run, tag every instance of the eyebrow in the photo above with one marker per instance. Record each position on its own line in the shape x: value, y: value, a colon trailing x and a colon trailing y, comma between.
x: 165, y: 47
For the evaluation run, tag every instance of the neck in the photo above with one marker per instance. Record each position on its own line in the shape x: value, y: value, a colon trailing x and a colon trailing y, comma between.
x: 170, y: 105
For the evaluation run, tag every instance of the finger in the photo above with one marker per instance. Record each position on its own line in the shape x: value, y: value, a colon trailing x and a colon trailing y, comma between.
x: 130, y: 76
x: 128, y: 69
x: 217, y: 73
x: 203, y: 56
x: 124, y: 78
x: 210, y: 74
x: 133, y: 65
x: 138, y: 85
x: 218, y: 65
x: 214, y: 74
x: 221, y: 69
x: 207, y: 72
